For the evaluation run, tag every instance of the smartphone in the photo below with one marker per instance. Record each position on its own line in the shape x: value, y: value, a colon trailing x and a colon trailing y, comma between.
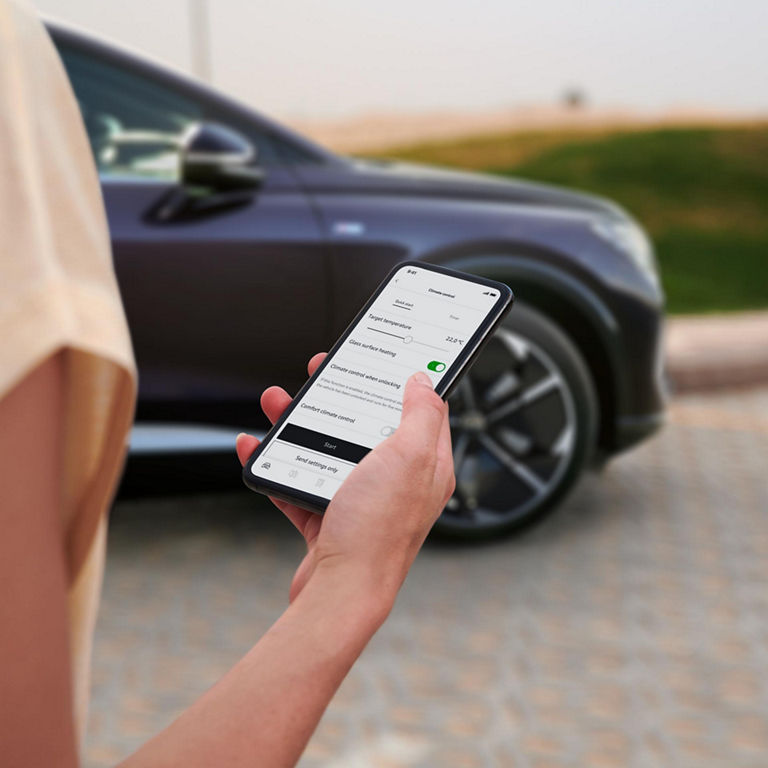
x: 421, y: 318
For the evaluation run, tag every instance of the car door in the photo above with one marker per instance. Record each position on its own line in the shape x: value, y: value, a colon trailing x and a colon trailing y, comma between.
x: 220, y: 303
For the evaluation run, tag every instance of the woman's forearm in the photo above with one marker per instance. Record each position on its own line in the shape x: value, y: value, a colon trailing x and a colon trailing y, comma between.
x: 263, y: 711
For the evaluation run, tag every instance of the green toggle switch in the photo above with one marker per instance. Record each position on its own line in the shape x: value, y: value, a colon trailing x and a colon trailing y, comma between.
x: 436, y: 366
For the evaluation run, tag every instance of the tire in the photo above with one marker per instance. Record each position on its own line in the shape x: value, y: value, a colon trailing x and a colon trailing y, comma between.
x: 523, y: 424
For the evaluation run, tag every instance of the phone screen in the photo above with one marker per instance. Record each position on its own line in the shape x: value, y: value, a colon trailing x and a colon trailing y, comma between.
x: 421, y: 320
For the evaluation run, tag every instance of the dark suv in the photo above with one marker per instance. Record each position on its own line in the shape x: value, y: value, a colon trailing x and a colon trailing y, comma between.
x: 242, y: 248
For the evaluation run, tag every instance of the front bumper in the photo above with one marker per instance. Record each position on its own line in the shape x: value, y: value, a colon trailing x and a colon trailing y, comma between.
x: 631, y: 430
x: 643, y: 387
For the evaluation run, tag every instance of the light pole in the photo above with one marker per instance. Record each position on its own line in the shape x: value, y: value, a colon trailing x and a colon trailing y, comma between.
x: 199, y: 33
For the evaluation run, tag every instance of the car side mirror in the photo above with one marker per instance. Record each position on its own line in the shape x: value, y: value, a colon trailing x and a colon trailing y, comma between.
x: 219, y: 159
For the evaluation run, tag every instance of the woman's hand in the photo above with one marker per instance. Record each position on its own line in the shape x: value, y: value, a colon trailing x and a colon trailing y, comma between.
x: 379, y: 518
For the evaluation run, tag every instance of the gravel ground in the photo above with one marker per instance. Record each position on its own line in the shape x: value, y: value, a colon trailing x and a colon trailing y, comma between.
x: 629, y: 629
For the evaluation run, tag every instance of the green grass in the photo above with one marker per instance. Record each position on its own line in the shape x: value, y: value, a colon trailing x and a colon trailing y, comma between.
x: 702, y: 193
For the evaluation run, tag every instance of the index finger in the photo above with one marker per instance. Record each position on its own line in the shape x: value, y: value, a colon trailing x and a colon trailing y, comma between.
x: 245, y: 445
x: 315, y: 361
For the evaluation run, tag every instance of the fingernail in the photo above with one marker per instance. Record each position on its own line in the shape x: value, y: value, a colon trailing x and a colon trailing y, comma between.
x: 421, y: 378
x: 242, y: 434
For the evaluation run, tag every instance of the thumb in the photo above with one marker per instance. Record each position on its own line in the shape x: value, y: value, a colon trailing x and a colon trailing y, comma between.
x: 423, y: 412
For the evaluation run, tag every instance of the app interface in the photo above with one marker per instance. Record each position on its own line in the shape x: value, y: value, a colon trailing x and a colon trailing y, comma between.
x: 420, y: 321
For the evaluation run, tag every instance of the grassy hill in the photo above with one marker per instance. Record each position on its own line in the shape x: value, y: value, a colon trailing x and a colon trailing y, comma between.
x: 702, y: 193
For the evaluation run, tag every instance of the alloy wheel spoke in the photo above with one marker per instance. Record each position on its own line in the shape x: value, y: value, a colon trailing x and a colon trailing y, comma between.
x: 516, y: 345
x: 460, y: 451
x: 533, y: 393
x: 530, y: 478
x: 503, y: 388
x: 564, y: 443
x: 468, y: 394
x: 467, y: 485
x: 458, y: 506
x: 517, y: 442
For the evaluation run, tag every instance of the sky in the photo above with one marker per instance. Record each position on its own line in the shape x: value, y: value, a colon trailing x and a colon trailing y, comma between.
x: 326, y: 59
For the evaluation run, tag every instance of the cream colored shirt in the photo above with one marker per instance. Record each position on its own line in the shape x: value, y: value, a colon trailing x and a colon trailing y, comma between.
x: 58, y: 292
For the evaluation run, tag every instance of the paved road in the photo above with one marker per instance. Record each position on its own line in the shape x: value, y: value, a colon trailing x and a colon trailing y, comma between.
x: 631, y: 629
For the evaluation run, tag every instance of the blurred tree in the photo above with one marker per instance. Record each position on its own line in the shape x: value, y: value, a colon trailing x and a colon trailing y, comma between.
x: 574, y: 98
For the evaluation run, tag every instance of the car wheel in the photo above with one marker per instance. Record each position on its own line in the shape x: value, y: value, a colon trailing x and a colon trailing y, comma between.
x: 523, y: 423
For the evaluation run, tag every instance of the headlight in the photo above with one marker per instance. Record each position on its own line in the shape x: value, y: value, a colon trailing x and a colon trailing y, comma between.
x: 630, y: 239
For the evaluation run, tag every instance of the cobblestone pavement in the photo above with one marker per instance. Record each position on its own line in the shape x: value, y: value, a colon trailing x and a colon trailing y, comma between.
x: 630, y: 629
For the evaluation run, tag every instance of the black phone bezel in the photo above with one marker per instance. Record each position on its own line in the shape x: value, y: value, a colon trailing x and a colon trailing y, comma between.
x: 443, y: 388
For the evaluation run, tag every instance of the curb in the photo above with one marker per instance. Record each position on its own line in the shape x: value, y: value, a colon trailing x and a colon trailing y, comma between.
x: 714, y: 352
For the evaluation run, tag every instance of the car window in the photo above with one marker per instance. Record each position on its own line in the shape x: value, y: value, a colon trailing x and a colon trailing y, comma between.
x: 134, y: 124
x: 291, y: 154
